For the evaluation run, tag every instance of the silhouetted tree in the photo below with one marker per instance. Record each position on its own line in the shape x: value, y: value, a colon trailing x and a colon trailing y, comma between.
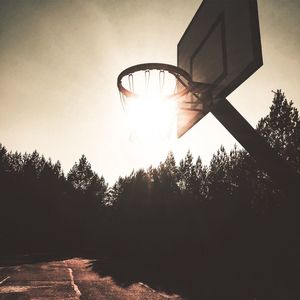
x: 219, y: 183
x: 187, y: 174
x: 16, y: 162
x: 4, y: 163
x: 97, y: 188
x: 200, y: 187
x: 81, y: 175
x: 33, y: 164
x: 281, y: 128
x: 166, y: 179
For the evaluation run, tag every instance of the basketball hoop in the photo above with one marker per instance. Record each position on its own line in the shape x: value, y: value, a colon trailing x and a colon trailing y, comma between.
x: 144, y: 84
x: 182, y: 79
x: 149, y: 94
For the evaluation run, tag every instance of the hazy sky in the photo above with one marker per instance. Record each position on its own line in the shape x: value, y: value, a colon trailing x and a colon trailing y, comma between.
x: 59, y: 61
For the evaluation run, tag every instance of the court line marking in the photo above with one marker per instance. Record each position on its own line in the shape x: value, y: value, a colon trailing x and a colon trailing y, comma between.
x: 4, y: 279
x: 74, y: 285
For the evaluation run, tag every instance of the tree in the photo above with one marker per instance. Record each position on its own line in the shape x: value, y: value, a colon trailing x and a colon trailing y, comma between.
x: 218, y: 180
x: 81, y: 175
x: 97, y: 188
x: 16, y: 162
x: 281, y: 128
x: 167, y: 173
x: 51, y: 177
x: 4, y: 166
x: 33, y: 164
x: 187, y: 173
x: 199, y: 186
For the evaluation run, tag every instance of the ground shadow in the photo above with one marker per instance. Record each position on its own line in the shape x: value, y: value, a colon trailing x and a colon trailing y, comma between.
x: 241, y: 266
x: 215, y: 275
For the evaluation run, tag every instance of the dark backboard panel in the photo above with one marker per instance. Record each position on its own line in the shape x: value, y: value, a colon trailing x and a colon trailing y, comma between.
x: 221, y: 47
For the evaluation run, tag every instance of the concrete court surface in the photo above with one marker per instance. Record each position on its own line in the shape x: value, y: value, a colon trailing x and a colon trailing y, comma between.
x: 67, y: 279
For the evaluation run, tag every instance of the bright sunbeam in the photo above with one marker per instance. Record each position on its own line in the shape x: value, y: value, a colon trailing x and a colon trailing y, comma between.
x: 152, y: 121
x: 152, y: 117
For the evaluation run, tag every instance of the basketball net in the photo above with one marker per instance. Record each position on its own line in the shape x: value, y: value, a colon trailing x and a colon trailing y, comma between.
x: 150, y: 112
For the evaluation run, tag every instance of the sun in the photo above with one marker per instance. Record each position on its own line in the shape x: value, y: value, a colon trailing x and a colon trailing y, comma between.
x: 152, y: 120
x: 152, y: 129
x: 151, y: 115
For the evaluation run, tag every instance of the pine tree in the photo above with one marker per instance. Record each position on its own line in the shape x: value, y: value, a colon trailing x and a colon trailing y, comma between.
x: 199, y: 187
x: 81, y: 175
x: 281, y: 128
x: 187, y: 175
x: 4, y: 166
x: 51, y: 175
x: 168, y: 175
x: 16, y: 162
x: 97, y: 188
x: 33, y: 165
x: 218, y: 178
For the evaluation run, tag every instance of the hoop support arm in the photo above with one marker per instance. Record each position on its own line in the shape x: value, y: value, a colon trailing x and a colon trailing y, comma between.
x: 285, y: 176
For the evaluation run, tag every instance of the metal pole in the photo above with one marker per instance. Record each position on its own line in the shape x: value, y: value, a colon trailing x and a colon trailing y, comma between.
x: 277, y: 168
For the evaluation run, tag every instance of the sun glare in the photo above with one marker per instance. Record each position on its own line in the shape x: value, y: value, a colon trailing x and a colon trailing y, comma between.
x: 151, y: 117
x: 152, y: 120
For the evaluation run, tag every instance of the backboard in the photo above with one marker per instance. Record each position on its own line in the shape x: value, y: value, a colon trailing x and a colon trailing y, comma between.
x: 220, y: 47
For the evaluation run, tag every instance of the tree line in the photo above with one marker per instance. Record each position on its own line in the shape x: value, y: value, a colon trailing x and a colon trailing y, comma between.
x: 222, y: 223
